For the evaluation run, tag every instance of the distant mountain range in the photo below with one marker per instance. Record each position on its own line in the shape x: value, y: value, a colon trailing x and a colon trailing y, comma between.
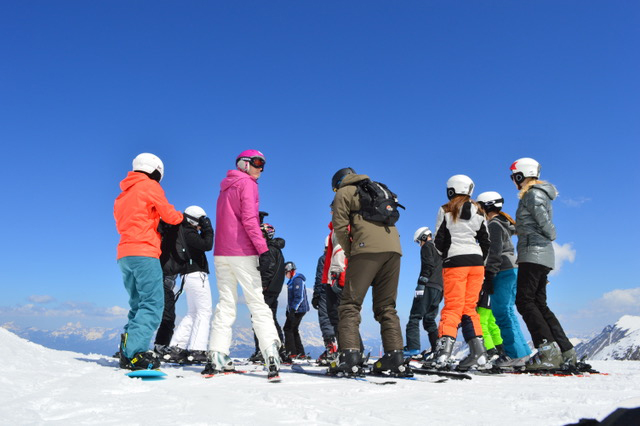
x: 620, y: 341
x: 74, y: 337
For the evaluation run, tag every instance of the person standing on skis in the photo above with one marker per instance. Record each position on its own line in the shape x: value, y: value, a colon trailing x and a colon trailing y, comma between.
x: 319, y: 302
x: 137, y: 212
x: 189, y: 341
x: 373, y: 250
x: 238, y: 244
x: 500, y: 278
x: 428, y: 295
x: 463, y: 241
x: 536, y: 258
x: 272, y: 275
x: 297, y: 307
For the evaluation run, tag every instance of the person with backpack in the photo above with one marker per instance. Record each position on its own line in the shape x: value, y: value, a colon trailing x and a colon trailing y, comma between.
x: 427, y: 297
x: 463, y: 240
x: 172, y: 265
x: 137, y: 212
x: 238, y: 244
x: 189, y: 342
x: 364, y: 214
x: 297, y: 307
x: 272, y: 275
x: 536, y: 258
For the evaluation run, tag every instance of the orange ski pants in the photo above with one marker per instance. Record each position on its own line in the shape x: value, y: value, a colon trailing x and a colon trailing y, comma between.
x: 462, y: 287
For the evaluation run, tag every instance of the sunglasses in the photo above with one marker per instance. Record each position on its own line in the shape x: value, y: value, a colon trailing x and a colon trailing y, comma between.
x: 257, y: 162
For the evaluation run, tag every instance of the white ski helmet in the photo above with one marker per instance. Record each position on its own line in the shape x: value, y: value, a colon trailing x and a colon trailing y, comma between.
x: 490, y: 200
x: 148, y: 163
x: 422, y: 234
x: 193, y: 214
x: 524, y: 168
x: 459, y: 185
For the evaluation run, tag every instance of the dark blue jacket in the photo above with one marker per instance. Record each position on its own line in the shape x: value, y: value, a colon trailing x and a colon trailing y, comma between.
x: 298, y: 302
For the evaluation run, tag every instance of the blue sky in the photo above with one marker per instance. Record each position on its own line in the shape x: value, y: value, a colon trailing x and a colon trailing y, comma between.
x: 409, y: 93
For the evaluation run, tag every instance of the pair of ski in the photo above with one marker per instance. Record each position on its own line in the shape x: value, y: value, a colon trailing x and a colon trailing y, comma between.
x: 371, y: 378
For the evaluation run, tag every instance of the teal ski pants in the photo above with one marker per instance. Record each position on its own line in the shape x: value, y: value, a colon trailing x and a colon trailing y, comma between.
x: 143, y: 281
x: 503, y: 302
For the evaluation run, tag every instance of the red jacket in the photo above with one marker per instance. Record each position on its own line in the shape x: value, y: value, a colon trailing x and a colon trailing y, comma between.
x: 327, y: 262
x: 137, y: 211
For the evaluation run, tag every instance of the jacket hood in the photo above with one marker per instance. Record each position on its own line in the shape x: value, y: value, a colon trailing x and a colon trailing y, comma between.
x: 277, y: 242
x: 298, y: 275
x: 133, y: 178
x: 548, y: 188
x: 233, y: 176
x: 506, y: 224
x: 352, y: 179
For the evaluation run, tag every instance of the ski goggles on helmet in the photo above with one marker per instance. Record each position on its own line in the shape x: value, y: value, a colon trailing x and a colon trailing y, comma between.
x: 257, y: 162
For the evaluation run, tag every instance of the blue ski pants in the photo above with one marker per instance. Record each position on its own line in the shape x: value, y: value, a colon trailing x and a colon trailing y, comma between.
x: 503, y: 302
x: 142, y: 277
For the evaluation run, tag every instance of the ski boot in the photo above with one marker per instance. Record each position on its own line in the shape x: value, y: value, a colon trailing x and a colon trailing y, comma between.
x: 495, y: 353
x: 141, y: 361
x: 444, y: 347
x: 477, y: 357
x: 349, y: 363
x: 330, y: 353
x: 569, y: 359
x: 256, y: 358
x: 174, y: 354
x: 549, y: 357
x: 392, y: 363
x: 272, y: 361
x: 507, y: 363
x: 196, y: 357
x: 217, y: 363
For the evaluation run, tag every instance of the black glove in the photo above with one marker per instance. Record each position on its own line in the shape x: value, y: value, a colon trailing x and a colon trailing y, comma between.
x: 422, y: 280
x: 204, y: 222
x: 487, y: 286
x: 315, y: 302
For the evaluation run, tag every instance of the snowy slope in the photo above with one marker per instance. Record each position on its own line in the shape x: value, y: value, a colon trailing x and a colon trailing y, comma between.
x: 41, y: 385
x: 616, y: 342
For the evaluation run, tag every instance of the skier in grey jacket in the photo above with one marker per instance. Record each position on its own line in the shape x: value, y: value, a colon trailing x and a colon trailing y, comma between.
x: 536, y: 259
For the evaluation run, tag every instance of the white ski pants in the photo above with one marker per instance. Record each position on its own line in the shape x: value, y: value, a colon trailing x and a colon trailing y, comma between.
x: 193, y: 331
x: 243, y: 270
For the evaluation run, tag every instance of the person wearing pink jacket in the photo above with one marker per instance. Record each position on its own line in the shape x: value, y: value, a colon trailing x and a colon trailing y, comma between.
x: 238, y: 244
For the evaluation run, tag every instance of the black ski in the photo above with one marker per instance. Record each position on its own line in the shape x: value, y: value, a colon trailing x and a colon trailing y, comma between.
x: 448, y: 374
x: 323, y: 373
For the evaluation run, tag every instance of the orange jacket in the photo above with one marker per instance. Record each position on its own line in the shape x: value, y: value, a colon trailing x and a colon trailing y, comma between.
x: 137, y: 211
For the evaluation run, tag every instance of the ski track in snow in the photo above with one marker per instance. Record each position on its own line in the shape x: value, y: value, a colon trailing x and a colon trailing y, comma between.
x: 45, y: 386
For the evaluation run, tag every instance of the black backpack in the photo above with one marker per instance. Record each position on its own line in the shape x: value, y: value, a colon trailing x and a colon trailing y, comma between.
x: 175, y: 254
x: 378, y: 203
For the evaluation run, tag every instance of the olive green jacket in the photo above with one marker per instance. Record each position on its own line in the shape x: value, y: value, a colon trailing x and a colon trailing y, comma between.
x: 364, y: 236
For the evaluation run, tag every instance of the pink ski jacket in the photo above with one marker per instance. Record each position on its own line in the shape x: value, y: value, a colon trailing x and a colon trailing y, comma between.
x: 237, y: 220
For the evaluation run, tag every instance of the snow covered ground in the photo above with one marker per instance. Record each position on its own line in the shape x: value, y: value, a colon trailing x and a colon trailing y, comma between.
x: 40, y: 385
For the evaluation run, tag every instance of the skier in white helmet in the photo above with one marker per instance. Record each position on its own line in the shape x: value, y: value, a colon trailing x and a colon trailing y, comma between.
x: 463, y: 241
x: 427, y: 296
x: 536, y: 258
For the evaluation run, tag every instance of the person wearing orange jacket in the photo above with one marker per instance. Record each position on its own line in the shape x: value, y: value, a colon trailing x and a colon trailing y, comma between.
x: 137, y: 211
x: 463, y: 241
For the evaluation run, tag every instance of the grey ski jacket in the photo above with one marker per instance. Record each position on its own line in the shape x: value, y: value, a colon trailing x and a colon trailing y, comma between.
x: 534, y: 225
x: 501, y: 252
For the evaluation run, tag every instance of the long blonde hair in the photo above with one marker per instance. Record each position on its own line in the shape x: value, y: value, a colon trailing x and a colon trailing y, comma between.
x: 527, y: 186
x: 455, y: 205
